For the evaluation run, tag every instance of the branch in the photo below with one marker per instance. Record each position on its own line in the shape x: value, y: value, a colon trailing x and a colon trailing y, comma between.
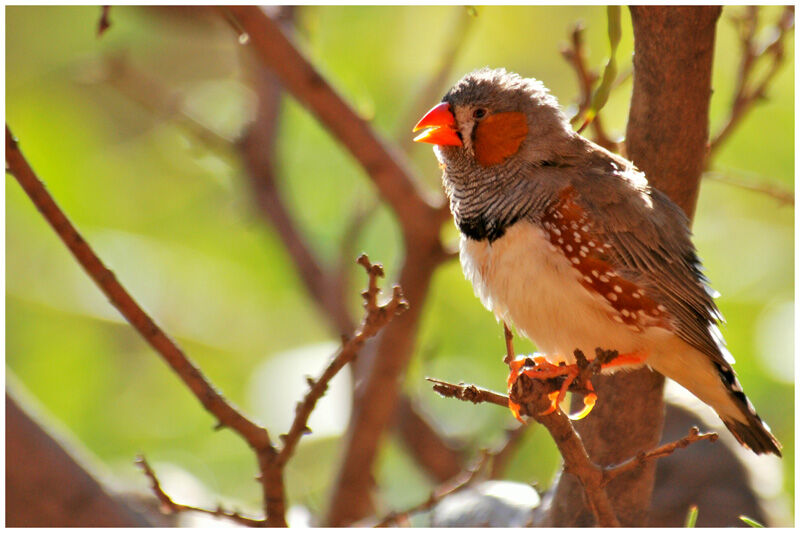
x: 50, y: 482
x: 325, y: 285
x: 433, y: 90
x: 501, y: 457
x: 748, y: 91
x: 170, y: 506
x: 468, y: 393
x: 148, y: 92
x: 662, y: 451
x: 781, y: 195
x: 105, y: 22
x: 257, y: 150
x: 376, y: 317
x: 270, y: 460
x: 427, y: 446
x: 461, y: 481
x: 227, y: 416
x: 420, y: 222
x: 575, y: 55
x: 532, y: 396
x: 391, y: 177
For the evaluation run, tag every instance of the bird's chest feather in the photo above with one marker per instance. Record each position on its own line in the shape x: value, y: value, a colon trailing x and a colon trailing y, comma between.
x: 529, y: 282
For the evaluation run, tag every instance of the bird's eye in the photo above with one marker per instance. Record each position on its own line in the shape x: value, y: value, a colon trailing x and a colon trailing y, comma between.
x: 479, y: 113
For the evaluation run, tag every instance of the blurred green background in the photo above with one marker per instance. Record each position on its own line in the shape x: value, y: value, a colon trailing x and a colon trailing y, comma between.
x: 172, y: 215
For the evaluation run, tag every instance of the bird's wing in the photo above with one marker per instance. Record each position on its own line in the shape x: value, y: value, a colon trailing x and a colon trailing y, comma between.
x: 650, y: 246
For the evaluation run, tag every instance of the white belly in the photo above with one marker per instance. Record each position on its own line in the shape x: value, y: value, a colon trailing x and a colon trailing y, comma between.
x: 526, y: 282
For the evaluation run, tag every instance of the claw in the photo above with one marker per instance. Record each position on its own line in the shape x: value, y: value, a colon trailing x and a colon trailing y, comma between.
x: 553, y: 396
x: 515, y: 410
x: 588, y: 404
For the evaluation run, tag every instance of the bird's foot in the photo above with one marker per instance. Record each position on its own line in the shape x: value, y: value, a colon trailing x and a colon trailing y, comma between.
x: 543, y: 369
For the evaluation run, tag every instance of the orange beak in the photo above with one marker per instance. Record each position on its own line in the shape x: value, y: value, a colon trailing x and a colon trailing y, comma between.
x: 441, y: 127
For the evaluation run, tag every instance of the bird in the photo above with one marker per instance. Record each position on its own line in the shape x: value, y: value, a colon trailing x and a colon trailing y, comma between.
x: 569, y: 244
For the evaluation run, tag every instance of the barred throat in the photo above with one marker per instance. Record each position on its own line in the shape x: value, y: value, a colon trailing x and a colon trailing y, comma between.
x: 484, y: 209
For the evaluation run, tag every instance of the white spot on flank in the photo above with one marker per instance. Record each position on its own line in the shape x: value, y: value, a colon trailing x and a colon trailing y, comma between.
x: 584, y: 249
x: 560, y: 240
x: 585, y: 228
x: 591, y: 244
x: 568, y: 247
x: 574, y: 225
x: 604, y: 279
x: 595, y: 273
x: 587, y: 279
x: 625, y: 312
x: 661, y: 308
x: 618, y: 319
x: 636, y: 295
x: 575, y: 260
x: 556, y: 232
x: 618, y: 289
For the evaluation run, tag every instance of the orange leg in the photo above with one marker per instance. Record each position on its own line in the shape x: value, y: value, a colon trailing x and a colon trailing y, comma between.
x: 543, y: 369
x: 624, y: 359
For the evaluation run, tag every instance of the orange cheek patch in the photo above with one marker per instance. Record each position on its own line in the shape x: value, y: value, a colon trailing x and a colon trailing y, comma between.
x: 499, y: 136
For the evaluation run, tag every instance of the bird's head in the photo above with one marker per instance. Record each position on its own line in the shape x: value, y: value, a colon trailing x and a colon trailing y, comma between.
x: 493, y: 117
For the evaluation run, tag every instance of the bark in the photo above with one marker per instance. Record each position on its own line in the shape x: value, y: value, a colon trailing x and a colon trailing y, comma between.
x: 666, y: 138
x: 47, y: 487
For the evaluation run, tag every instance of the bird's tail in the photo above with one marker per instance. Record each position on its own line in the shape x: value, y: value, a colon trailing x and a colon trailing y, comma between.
x: 715, y: 384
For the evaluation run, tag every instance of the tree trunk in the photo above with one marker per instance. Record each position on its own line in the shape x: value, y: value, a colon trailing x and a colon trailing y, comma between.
x: 666, y: 138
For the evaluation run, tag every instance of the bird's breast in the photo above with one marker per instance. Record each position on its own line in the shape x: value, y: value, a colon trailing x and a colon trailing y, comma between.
x: 529, y: 282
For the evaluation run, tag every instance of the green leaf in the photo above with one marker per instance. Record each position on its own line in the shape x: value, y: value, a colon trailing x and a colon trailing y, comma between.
x: 691, y: 517
x: 602, y: 92
x: 749, y: 521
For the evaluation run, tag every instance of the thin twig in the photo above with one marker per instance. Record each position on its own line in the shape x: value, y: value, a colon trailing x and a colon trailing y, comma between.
x: 748, y: 91
x: 531, y: 394
x: 781, y: 195
x: 501, y: 457
x: 270, y: 460
x: 433, y: 90
x: 171, y: 506
x: 227, y: 415
x: 575, y: 55
x: 389, y: 173
x: 105, y: 22
x: 257, y: 150
x: 375, y: 318
x: 468, y: 393
x: 440, y: 457
x: 633, y: 463
x: 420, y: 221
x: 459, y: 482
x: 165, y: 104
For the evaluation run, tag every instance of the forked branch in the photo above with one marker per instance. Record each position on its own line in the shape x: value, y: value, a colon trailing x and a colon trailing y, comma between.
x: 271, y: 459
x: 532, y: 396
